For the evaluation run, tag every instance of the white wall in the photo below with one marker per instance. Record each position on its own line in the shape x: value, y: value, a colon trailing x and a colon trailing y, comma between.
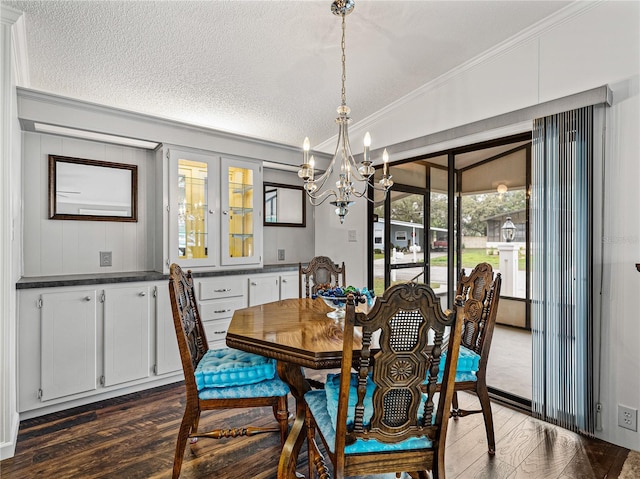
x: 56, y: 247
x: 587, y: 45
x: 10, y: 235
x: 297, y: 242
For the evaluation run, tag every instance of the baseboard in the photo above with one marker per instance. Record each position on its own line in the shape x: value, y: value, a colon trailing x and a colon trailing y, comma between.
x: 8, y: 449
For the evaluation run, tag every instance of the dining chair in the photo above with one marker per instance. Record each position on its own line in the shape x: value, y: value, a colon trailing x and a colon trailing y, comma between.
x: 377, y: 419
x: 320, y: 273
x: 219, y: 378
x: 481, y: 294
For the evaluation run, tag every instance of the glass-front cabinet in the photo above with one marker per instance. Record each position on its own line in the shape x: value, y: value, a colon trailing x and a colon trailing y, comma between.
x: 241, y: 205
x: 214, y: 210
x: 193, y: 218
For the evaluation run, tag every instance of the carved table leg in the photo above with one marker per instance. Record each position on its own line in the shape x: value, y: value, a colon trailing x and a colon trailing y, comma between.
x: 292, y: 375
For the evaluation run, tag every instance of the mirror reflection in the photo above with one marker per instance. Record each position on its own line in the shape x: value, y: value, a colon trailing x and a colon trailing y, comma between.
x: 284, y: 205
x: 82, y: 189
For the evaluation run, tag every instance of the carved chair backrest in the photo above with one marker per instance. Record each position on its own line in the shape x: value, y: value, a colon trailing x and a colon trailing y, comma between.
x: 320, y: 273
x: 192, y: 340
x: 481, y: 294
x: 413, y: 328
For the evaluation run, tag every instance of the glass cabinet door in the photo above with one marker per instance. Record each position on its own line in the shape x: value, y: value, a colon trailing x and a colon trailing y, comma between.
x: 191, y: 208
x: 241, y: 188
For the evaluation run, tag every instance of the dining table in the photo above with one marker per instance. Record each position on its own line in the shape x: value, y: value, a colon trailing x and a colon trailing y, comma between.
x: 298, y: 334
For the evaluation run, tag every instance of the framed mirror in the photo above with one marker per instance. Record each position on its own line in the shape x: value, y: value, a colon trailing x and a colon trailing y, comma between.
x: 92, y: 190
x: 284, y: 205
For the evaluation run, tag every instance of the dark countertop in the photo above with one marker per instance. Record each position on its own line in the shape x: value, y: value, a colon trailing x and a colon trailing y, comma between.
x: 135, y: 276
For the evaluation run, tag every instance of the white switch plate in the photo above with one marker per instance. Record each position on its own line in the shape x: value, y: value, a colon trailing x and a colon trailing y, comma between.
x: 353, y: 236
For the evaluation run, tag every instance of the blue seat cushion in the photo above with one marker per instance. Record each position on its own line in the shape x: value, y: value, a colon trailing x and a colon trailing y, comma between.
x: 267, y: 388
x: 332, y: 392
x: 317, y: 402
x: 221, y: 368
x: 468, y: 363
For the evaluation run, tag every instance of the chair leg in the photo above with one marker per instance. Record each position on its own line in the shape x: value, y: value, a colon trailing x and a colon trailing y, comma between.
x: 483, y: 396
x: 311, y: 433
x: 281, y: 413
x: 454, y: 405
x: 181, y: 443
x: 194, y: 427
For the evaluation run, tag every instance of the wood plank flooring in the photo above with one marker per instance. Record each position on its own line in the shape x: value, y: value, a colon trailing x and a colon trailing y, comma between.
x: 134, y: 437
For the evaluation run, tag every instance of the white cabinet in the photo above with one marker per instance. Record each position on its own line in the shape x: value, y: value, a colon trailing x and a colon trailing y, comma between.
x: 126, y: 334
x: 78, y: 344
x: 263, y: 289
x: 68, y: 343
x: 289, y: 287
x: 75, y: 343
x: 214, y: 210
x: 193, y: 208
x: 217, y: 299
x: 167, y: 352
x: 241, y: 203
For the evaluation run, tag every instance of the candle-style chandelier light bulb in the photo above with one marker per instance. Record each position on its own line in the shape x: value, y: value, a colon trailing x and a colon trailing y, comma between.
x: 350, y: 173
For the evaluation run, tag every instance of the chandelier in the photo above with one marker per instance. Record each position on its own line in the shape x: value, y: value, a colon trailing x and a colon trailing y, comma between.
x: 351, y: 174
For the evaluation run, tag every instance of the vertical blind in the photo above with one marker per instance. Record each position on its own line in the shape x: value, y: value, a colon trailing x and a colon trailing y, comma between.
x: 561, y: 279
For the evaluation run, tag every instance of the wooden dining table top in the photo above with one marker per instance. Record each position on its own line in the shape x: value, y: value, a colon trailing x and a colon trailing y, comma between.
x: 292, y: 330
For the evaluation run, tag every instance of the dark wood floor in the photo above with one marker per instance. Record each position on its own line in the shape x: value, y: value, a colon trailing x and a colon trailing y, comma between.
x: 134, y: 436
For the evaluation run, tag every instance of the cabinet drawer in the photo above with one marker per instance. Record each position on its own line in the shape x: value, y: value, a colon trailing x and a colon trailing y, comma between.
x: 220, y: 309
x: 216, y: 332
x: 224, y: 287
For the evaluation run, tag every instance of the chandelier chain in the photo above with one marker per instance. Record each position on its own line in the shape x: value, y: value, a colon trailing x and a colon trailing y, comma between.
x: 344, y: 61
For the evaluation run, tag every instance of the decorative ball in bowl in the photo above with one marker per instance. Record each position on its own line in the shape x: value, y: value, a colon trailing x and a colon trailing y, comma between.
x: 336, y: 298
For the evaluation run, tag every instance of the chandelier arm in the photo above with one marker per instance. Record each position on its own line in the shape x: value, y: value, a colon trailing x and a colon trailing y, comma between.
x: 321, y: 180
x: 318, y: 200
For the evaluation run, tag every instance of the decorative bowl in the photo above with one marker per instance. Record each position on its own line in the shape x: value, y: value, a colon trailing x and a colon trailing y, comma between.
x: 336, y: 298
x: 338, y: 304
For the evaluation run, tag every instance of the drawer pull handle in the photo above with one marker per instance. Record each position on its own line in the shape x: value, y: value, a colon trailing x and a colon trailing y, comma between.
x: 87, y: 298
x: 142, y: 294
x: 253, y: 283
x: 219, y: 332
x: 222, y: 311
x: 223, y: 290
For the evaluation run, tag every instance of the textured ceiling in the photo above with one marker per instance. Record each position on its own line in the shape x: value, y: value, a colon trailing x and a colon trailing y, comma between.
x: 266, y: 69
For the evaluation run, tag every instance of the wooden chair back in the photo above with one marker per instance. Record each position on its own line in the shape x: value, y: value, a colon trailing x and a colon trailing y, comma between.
x: 192, y: 340
x: 480, y: 292
x: 320, y: 273
x: 413, y: 327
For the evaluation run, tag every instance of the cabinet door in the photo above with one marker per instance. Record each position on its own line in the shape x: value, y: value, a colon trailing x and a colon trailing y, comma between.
x: 263, y: 289
x: 69, y: 344
x: 241, y: 205
x: 193, y: 197
x: 167, y: 352
x: 126, y: 334
x: 289, y: 286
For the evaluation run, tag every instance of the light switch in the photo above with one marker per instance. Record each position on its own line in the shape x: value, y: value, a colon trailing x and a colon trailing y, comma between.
x: 353, y: 236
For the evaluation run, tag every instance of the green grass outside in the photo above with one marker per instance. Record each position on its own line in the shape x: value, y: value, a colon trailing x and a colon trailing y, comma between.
x: 471, y: 257
x: 378, y: 285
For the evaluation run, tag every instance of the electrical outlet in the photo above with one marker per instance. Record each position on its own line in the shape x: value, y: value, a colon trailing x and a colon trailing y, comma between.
x: 627, y: 417
x: 280, y: 255
x: 105, y: 258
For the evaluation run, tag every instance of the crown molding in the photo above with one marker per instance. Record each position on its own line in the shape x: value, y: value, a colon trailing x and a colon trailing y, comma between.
x: 9, y: 15
x: 20, y: 53
x: 15, y: 20
x: 530, y: 33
